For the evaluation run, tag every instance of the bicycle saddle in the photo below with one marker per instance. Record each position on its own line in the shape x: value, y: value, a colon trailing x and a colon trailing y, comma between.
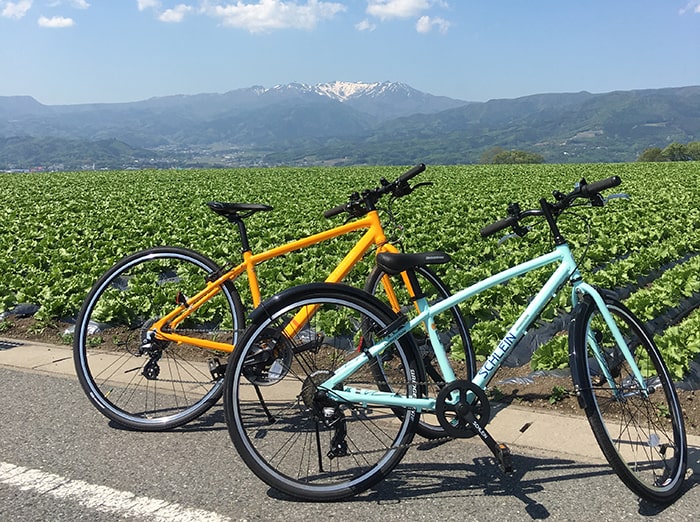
x: 231, y: 210
x: 396, y: 263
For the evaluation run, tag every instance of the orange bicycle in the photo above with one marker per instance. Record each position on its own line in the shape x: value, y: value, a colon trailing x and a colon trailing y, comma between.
x: 153, y: 331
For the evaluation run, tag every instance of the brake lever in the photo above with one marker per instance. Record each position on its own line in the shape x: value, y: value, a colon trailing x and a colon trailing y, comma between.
x: 621, y: 195
x: 507, y: 237
x: 520, y: 232
x: 404, y: 189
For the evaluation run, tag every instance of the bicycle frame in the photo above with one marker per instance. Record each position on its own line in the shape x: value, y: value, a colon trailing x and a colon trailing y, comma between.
x: 566, y: 271
x: 373, y: 236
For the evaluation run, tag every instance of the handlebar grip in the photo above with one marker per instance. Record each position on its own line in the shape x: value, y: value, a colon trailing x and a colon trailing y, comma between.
x: 335, y: 211
x: 412, y: 173
x: 598, y: 186
x: 498, y: 225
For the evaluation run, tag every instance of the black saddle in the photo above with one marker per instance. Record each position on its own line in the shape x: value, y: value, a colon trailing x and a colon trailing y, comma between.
x: 237, y: 210
x: 393, y: 263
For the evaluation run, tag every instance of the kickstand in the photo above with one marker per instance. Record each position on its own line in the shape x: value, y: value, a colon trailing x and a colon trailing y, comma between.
x: 270, y: 417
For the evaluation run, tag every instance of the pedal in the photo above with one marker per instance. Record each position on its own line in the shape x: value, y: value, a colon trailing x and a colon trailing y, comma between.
x: 216, y: 369
x: 504, y: 458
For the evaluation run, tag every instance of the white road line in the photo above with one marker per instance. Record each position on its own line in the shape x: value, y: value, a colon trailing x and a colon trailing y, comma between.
x: 102, y: 498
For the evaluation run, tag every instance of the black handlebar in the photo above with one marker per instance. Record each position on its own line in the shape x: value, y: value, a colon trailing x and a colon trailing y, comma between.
x: 335, y: 211
x: 498, y: 226
x: 590, y: 191
x: 411, y: 173
x: 361, y: 204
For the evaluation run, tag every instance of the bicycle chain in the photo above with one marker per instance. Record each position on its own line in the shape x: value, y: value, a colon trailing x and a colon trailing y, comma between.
x: 193, y: 330
x: 440, y: 440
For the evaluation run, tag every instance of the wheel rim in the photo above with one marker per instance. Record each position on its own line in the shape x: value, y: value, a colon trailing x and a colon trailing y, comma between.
x: 290, y: 445
x: 163, y: 385
x: 642, y: 432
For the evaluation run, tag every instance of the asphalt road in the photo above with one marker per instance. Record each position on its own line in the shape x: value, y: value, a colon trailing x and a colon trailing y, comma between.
x: 61, y: 460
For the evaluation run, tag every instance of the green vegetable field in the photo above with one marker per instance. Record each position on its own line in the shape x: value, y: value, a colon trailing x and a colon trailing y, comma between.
x: 60, y: 231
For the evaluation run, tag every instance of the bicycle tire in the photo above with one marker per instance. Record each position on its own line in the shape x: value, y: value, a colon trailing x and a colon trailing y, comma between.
x: 292, y: 434
x: 641, y: 435
x: 456, y: 332
x: 153, y: 386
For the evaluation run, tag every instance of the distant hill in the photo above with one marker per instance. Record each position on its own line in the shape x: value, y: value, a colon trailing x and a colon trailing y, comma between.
x: 342, y: 123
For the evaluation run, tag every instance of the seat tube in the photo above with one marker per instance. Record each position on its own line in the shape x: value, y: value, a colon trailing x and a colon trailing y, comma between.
x: 252, y: 277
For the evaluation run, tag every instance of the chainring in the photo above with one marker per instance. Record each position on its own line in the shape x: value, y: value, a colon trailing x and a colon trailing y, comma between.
x: 458, y: 405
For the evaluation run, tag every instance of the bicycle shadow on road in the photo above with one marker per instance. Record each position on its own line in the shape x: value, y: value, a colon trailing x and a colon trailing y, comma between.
x: 481, y: 477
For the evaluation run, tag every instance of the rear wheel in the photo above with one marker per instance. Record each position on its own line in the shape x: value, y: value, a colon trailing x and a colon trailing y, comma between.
x: 641, y: 433
x: 133, y: 378
x: 294, y: 434
x: 452, y: 331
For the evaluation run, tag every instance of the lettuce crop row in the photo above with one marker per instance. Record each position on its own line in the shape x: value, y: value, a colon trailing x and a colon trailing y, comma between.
x: 59, y: 232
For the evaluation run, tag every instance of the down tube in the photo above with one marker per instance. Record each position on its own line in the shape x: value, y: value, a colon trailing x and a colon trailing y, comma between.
x: 518, y: 330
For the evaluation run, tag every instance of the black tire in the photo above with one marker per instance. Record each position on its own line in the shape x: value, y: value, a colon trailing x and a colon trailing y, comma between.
x: 289, y: 432
x: 164, y: 385
x: 453, y: 333
x: 641, y: 435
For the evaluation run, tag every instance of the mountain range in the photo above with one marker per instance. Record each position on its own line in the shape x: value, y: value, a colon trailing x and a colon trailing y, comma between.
x: 341, y: 123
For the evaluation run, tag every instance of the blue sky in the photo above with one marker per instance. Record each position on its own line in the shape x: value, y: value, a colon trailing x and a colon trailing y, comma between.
x: 84, y: 51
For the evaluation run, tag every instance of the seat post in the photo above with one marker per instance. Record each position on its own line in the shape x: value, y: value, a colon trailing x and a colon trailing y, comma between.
x: 245, y: 245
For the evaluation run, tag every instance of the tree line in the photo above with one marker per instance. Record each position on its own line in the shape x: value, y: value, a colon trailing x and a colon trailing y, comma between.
x: 500, y: 156
x: 672, y: 152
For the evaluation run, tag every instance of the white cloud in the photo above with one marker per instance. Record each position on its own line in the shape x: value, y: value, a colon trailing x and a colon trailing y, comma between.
x: 77, y: 4
x: 425, y: 24
x: 55, y: 22
x: 365, y: 25
x: 148, y: 4
x: 266, y: 15
x: 176, y: 14
x: 693, y: 6
x: 386, y: 9
x: 16, y: 10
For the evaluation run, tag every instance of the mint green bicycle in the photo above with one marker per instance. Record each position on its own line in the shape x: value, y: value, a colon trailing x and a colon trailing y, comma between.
x: 324, y: 393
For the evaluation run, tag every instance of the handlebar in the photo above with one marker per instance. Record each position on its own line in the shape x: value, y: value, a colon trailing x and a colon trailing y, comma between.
x: 491, y: 229
x: 411, y: 173
x: 590, y: 191
x: 335, y: 211
x: 359, y: 204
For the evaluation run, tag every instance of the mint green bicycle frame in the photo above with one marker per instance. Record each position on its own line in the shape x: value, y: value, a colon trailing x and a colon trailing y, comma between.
x: 566, y: 271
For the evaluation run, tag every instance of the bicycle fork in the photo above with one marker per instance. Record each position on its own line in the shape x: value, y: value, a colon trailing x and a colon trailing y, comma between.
x: 594, y: 342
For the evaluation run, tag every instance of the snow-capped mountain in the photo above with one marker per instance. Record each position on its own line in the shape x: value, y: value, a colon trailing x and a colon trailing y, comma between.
x: 344, y: 91
x: 380, y: 99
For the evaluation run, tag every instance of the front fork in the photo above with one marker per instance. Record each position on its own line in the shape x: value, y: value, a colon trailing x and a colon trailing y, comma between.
x: 594, y: 342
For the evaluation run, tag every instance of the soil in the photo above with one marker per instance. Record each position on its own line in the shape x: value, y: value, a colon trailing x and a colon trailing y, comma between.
x: 547, y: 392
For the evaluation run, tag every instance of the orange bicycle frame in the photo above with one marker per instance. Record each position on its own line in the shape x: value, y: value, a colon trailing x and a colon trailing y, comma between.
x: 374, y: 236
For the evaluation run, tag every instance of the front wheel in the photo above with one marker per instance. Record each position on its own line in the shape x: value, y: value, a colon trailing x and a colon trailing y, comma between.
x: 294, y: 434
x: 139, y: 381
x: 452, y: 331
x: 640, y: 431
